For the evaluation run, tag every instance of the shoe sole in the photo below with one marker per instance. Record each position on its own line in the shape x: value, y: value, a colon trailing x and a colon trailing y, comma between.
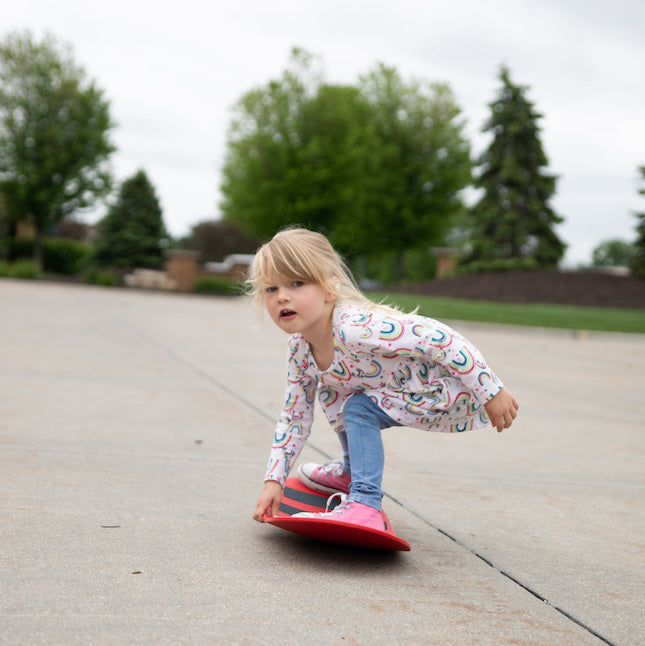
x: 308, y: 482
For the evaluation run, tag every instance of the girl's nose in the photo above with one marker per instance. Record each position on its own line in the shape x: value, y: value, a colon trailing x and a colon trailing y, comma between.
x: 283, y: 294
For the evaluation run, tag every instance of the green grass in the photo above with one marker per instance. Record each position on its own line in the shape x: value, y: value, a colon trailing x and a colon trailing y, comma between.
x: 214, y: 285
x: 557, y: 316
x: 27, y: 269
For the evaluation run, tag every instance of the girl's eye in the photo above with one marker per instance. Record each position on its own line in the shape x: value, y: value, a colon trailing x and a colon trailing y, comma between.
x: 270, y: 290
x: 298, y: 283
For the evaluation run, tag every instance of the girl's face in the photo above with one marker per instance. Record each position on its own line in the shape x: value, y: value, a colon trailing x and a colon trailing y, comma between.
x: 298, y: 306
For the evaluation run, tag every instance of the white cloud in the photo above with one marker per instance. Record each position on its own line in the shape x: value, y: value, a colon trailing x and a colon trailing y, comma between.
x: 173, y: 72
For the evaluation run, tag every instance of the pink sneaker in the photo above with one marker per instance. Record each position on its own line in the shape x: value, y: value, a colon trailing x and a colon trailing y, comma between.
x: 327, y: 478
x: 355, y: 513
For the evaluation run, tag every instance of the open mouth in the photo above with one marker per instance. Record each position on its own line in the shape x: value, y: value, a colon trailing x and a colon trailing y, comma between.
x: 287, y: 314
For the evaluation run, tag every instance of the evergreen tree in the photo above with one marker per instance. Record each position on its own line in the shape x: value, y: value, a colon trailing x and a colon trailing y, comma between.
x: 131, y: 233
x: 638, y: 260
x: 513, y: 219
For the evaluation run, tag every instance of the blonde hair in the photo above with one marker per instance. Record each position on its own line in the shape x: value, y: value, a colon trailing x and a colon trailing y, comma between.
x: 308, y: 256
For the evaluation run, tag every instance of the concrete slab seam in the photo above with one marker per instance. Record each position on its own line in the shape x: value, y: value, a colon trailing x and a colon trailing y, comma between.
x: 512, y: 578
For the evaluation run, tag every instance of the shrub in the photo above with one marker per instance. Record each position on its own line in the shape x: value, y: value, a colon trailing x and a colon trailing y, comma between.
x: 418, y: 265
x: 498, y: 265
x: 4, y: 268
x: 24, y: 269
x: 212, y: 285
x: 62, y: 256
x: 19, y: 248
x: 102, y: 277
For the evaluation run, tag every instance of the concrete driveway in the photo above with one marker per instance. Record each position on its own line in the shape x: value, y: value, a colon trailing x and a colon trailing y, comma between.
x: 134, y: 431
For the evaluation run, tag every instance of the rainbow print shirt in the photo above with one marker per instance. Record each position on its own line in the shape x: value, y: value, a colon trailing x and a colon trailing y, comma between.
x: 421, y: 372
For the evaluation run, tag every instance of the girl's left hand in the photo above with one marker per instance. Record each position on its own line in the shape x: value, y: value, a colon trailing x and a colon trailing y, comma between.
x: 502, y: 410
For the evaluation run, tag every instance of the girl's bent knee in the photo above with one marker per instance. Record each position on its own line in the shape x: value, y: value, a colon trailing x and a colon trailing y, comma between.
x: 357, y: 403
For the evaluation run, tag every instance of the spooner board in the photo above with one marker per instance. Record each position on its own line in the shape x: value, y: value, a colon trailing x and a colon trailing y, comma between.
x: 296, y: 498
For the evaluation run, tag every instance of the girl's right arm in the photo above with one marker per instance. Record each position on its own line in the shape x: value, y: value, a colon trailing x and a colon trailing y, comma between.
x: 269, y: 501
x: 294, y: 425
x: 291, y: 432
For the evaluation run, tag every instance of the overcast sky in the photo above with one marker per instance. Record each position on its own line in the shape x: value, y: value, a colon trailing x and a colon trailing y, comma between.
x: 173, y: 71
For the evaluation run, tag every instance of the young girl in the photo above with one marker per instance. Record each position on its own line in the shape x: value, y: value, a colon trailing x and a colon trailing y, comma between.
x: 371, y: 366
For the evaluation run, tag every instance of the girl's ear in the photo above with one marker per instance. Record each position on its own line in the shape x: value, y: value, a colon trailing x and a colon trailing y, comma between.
x: 332, y: 296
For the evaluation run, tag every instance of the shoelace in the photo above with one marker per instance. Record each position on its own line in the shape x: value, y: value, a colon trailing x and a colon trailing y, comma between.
x: 333, y: 467
x: 343, y: 501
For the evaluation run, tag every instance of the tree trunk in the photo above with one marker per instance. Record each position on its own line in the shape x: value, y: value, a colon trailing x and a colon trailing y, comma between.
x: 399, y: 271
x: 38, y: 248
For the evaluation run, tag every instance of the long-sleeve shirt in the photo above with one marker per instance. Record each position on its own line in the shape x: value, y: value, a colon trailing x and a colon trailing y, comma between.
x: 421, y: 372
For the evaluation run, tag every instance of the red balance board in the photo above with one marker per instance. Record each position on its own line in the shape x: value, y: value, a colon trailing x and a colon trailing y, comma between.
x: 297, y: 497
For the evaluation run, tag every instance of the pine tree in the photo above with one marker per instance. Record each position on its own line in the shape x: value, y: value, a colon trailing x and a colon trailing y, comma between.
x: 513, y: 219
x: 131, y: 233
x: 638, y: 263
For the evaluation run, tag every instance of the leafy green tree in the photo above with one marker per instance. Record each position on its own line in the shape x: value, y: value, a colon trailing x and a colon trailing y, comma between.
x: 73, y: 229
x: 215, y: 239
x: 638, y: 259
x: 260, y: 174
x: 424, y: 161
x: 377, y: 167
x: 54, y: 127
x: 4, y: 227
x: 337, y: 165
x: 132, y: 232
x: 513, y: 218
x: 613, y: 253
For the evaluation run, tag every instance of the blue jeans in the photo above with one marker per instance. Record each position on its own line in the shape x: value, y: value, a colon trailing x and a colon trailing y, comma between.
x: 363, y: 455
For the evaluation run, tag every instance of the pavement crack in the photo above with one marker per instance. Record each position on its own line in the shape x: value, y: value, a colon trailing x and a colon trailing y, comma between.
x: 263, y: 414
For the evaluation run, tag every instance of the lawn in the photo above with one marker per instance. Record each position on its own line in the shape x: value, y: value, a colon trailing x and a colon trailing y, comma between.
x: 557, y: 316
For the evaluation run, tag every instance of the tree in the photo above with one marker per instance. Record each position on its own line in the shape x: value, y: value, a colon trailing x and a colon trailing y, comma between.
x: 638, y: 260
x: 132, y: 232
x: 376, y: 167
x: 215, y: 239
x: 337, y: 165
x: 4, y: 226
x: 513, y: 218
x: 613, y: 253
x: 54, y: 127
x: 424, y: 161
x: 260, y: 185
x: 73, y: 229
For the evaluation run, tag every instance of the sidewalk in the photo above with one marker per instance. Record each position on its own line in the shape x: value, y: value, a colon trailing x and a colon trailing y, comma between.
x: 134, y: 432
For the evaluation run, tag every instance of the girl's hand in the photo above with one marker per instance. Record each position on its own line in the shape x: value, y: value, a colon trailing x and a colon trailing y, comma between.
x: 502, y: 410
x: 269, y: 500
